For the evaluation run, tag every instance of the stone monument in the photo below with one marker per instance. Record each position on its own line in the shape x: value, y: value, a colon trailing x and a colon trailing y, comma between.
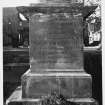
x: 56, y: 52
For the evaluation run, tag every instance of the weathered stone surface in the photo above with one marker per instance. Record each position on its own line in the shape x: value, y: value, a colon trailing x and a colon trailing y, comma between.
x: 56, y: 53
x: 16, y: 99
x: 50, y: 7
x: 70, y: 84
x: 56, y: 42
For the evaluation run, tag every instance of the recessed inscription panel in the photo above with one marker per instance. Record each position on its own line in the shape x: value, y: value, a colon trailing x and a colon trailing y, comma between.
x: 56, y: 42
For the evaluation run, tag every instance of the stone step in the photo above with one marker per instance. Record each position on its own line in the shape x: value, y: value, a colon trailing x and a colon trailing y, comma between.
x: 16, y: 99
x: 69, y: 84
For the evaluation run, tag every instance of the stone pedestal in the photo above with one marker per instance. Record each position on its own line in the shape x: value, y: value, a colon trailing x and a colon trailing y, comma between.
x: 56, y: 52
x: 16, y: 99
x: 69, y: 84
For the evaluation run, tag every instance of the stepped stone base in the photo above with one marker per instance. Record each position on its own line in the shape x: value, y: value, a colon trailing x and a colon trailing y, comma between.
x: 69, y: 84
x: 16, y: 99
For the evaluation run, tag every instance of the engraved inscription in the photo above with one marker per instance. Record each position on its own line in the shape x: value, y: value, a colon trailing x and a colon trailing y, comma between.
x: 56, y: 41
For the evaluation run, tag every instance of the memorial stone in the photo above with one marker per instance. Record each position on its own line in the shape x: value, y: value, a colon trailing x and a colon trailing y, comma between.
x: 56, y: 51
x: 56, y: 42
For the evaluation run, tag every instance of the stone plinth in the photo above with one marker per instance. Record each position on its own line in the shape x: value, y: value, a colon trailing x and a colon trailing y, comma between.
x: 56, y: 53
x: 69, y: 84
x: 16, y: 99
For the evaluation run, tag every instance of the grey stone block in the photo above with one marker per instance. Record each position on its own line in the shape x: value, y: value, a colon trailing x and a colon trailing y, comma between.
x: 69, y: 84
x: 56, y: 41
x: 16, y: 99
x: 56, y: 53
